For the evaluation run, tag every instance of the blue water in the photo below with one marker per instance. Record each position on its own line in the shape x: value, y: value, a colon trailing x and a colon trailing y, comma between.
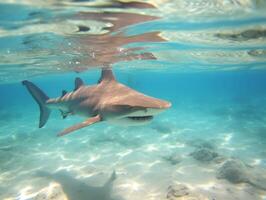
x: 206, y: 57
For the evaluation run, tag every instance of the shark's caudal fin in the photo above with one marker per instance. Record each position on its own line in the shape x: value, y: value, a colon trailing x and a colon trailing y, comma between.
x: 40, y: 98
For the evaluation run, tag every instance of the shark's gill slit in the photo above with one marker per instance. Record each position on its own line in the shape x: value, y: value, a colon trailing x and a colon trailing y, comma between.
x: 142, y: 118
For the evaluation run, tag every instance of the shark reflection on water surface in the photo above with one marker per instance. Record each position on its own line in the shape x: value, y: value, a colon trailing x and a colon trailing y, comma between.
x: 110, y: 47
x: 78, y: 41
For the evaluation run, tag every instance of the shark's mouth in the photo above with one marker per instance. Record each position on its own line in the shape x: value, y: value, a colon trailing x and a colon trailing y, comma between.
x: 141, y: 118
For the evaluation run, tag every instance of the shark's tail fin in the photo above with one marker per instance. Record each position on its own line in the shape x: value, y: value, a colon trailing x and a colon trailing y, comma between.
x: 41, y: 99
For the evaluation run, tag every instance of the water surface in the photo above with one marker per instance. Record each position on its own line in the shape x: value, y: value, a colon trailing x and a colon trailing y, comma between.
x: 206, y: 57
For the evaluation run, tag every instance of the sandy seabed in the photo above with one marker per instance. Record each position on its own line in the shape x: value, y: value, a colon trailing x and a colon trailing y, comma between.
x: 187, y: 152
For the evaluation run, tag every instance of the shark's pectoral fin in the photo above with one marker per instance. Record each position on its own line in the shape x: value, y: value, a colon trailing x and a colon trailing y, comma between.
x: 87, y: 122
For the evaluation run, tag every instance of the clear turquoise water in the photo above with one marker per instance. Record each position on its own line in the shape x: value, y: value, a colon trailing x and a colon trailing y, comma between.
x: 210, y: 64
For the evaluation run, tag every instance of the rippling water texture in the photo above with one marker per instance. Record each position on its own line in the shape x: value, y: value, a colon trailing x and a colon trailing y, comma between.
x: 207, y: 57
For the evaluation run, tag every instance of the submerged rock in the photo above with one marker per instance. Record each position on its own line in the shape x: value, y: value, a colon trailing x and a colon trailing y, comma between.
x: 172, y: 158
x: 182, y: 192
x: 234, y: 171
x: 204, y: 154
x: 176, y: 191
x: 204, y: 151
x: 219, y: 159
x: 199, y: 143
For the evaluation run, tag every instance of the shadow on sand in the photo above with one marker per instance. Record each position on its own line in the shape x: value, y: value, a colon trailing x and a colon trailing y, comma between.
x: 75, y: 189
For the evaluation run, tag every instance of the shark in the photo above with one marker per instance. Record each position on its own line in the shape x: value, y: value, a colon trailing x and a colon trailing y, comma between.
x: 108, y: 100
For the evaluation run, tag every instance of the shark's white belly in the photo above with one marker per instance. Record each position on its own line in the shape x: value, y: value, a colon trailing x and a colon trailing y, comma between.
x: 128, y: 122
x: 137, y: 118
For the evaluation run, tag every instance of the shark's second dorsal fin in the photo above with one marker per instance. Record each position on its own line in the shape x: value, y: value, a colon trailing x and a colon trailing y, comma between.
x: 107, y: 75
x: 63, y: 93
x: 78, y: 83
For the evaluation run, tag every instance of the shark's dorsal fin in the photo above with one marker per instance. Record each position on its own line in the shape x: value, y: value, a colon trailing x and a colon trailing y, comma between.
x: 78, y: 83
x: 63, y: 93
x: 107, y: 75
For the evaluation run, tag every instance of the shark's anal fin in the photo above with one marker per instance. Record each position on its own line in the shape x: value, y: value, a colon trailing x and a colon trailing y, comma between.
x: 107, y: 75
x: 65, y: 114
x: 87, y: 122
x: 78, y: 83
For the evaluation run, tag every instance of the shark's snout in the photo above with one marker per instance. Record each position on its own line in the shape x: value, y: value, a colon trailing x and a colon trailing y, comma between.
x: 165, y: 105
x: 145, y: 114
x: 158, y: 104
